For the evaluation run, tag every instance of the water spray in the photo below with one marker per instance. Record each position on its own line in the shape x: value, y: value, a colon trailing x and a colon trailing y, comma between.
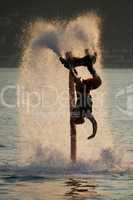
x: 46, y: 128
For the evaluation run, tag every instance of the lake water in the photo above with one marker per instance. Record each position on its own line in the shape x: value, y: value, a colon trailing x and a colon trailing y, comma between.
x: 42, y: 183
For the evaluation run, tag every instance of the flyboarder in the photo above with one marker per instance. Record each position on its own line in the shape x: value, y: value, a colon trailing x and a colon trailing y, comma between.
x: 83, y: 87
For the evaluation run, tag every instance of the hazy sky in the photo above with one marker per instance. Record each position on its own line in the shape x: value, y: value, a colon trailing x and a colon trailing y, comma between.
x: 116, y: 15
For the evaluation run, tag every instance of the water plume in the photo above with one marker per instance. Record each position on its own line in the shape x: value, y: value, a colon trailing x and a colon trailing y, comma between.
x: 47, y: 40
x: 44, y: 108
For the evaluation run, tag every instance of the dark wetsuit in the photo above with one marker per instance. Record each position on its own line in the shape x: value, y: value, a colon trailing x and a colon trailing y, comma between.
x: 84, y: 101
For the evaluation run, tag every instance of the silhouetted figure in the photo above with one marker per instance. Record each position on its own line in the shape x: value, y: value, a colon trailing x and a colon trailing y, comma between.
x: 83, y: 87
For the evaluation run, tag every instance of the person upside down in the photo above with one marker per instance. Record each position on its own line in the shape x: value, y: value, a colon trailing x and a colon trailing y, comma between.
x: 83, y: 87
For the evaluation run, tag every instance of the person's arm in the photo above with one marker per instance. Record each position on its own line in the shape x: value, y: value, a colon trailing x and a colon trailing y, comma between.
x: 94, y: 125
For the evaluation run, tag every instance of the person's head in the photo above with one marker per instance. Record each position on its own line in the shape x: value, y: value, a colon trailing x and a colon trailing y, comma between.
x: 68, y: 55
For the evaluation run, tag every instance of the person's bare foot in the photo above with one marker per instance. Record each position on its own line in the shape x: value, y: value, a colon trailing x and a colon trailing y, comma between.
x: 90, y: 137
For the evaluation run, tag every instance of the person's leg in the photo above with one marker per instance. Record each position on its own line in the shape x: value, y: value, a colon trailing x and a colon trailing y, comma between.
x: 94, y: 124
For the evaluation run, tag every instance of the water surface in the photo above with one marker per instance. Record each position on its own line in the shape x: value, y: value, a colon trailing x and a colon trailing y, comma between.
x: 74, y: 182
